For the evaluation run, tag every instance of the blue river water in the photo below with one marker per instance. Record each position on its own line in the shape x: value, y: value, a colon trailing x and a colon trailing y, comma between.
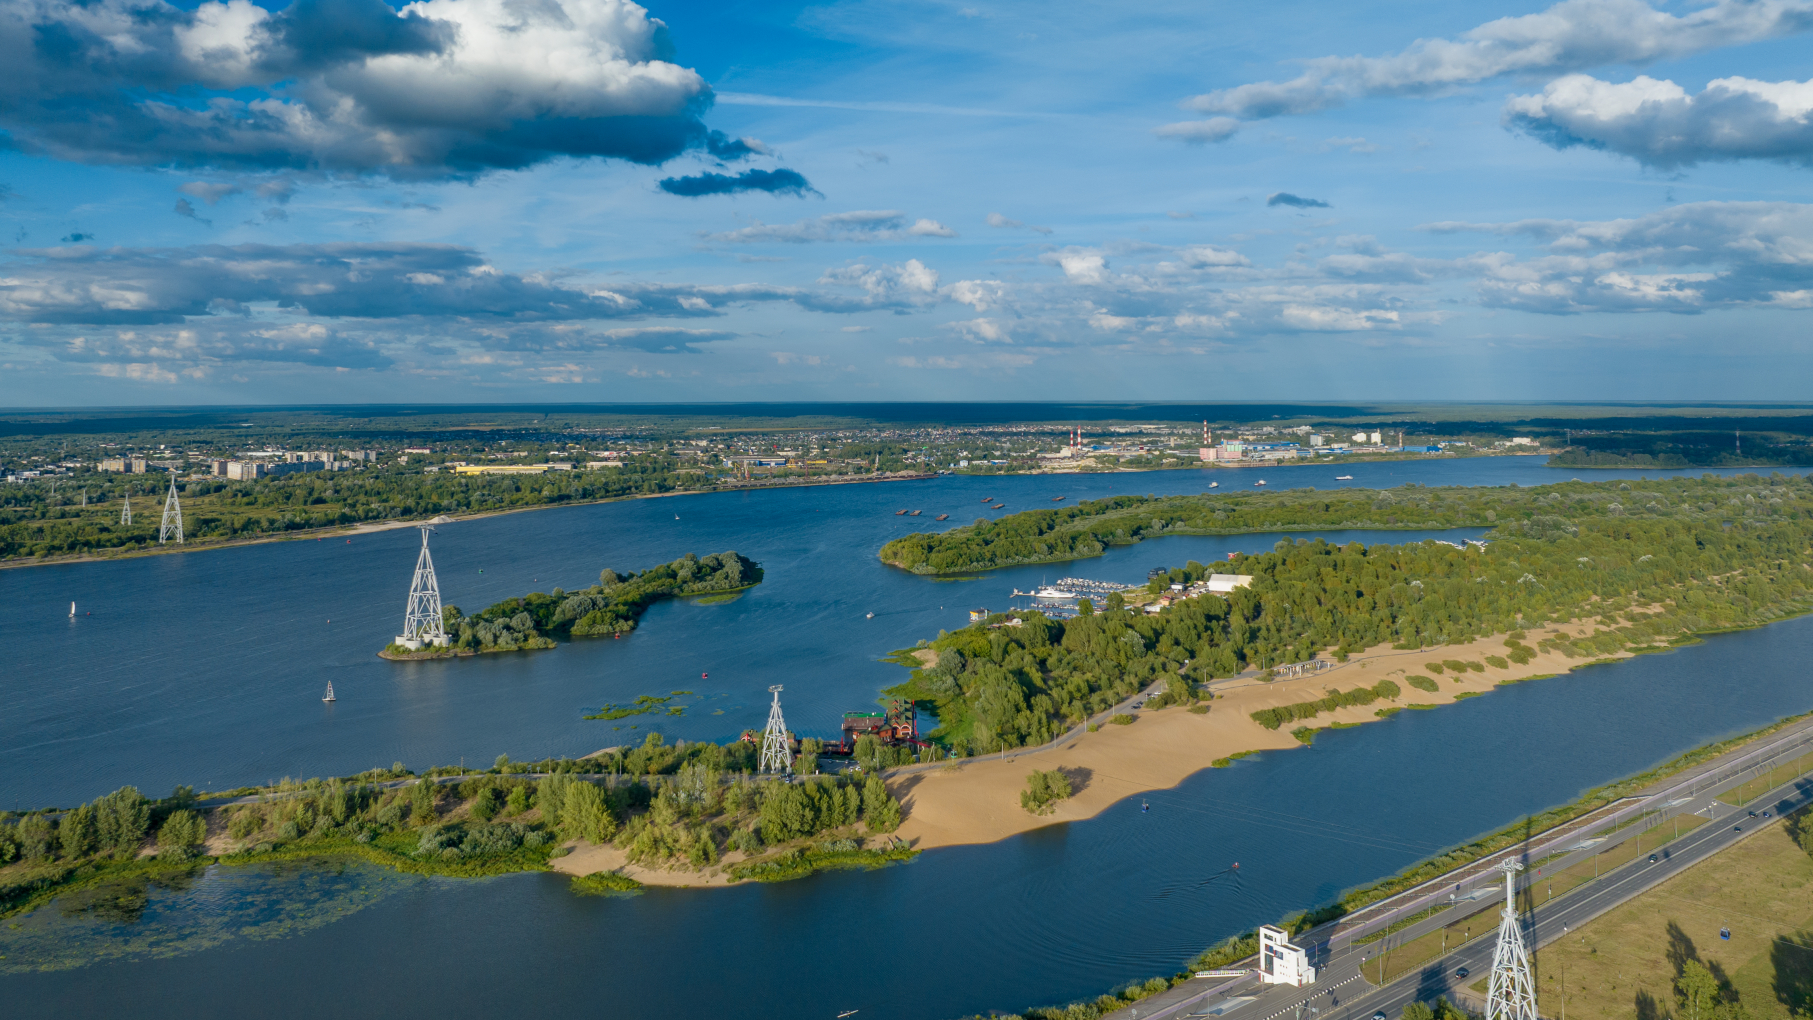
x: 206, y: 668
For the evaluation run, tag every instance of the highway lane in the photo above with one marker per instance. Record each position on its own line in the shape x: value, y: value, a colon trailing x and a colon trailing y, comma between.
x: 1334, y: 998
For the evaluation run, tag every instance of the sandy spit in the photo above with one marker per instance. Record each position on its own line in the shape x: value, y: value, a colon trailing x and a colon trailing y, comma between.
x: 978, y: 800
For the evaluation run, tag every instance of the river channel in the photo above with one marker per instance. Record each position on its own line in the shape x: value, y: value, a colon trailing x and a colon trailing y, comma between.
x: 206, y: 668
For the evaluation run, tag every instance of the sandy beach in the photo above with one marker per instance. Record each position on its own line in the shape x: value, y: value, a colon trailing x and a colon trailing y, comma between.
x: 978, y: 800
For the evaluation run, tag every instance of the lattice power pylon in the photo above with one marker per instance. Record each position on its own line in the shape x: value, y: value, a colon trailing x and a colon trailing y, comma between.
x: 422, y: 617
x: 777, y: 751
x: 173, y: 516
x: 1510, y: 993
x: 125, y: 510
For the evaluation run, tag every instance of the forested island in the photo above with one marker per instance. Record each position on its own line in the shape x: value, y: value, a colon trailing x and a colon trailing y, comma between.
x: 1638, y: 566
x: 695, y: 809
x: 611, y: 607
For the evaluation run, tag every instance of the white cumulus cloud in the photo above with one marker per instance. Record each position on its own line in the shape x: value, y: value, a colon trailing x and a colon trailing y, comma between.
x: 1570, y: 36
x: 1660, y: 124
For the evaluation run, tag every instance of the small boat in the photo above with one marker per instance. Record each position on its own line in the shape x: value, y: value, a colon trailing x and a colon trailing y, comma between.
x: 897, y: 513
x: 705, y: 676
x: 999, y: 506
x: 871, y: 616
x: 1214, y: 485
x: 848, y: 1012
x: 1260, y: 482
x: 1054, y: 499
x: 676, y: 517
x: 72, y: 610
x: 913, y: 514
x: 329, y: 696
x: 1144, y: 807
x: 1343, y: 478
x: 942, y: 517
x: 988, y: 499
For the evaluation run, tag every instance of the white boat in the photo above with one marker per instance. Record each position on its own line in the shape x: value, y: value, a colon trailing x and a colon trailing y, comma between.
x: 72, y: 610
x: 329, y: 696
x: 1260, y: 482
x: 1214, y: 485
x: 1343, y: 478
x: 1053, y: 593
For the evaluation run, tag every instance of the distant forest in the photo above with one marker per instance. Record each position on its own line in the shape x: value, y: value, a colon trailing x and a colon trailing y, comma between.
x: 1685, y: 450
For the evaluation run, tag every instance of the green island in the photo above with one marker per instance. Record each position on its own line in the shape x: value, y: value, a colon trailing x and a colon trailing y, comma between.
x: 611, y: 607
x: 1652, y: 565
x: 695, y: 808
x: 1091, y: 526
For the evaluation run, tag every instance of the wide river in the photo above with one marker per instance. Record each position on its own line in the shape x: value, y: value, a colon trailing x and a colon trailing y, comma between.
x: 207, y: 668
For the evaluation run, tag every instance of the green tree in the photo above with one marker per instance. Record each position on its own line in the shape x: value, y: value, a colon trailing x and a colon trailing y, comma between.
x: 1697, y: 989
x: 181, y: 835
x: 1043, y: 790
x: 1418, y: 1011
x: 585, y: 815
x: 37, y: 837
x: 76, y: 834
x: 421, y: 802
x: 121, y: 820
x: 880, y: 810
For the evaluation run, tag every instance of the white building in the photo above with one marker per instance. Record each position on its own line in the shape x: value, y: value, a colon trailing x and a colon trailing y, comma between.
x: 1222, y: 583
x: 1359, y: 437
x: 1281, y: 963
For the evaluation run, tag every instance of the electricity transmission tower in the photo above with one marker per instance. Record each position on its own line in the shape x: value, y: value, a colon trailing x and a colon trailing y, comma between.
x: 777, y: 753
x: 422, y: 617
x: 1510, y: 993
x: 173, y: 516
x: 125, y: 509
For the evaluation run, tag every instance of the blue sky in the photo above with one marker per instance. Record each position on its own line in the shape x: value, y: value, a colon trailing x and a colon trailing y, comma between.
x: 566, y: 200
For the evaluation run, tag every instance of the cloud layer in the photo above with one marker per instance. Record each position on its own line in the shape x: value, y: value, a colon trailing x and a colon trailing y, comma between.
x: 1659, y: 124
x: 1570, y: 36
x: 859, y: 225
x: 441, y: 88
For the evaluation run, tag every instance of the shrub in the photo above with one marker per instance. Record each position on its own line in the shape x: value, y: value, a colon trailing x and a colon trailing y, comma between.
x: 487, y: 804
x: 1497, y: 662
x: 1044, y: 790
x: 1433, y: 667
x: 1421, y: 683
x: 180, y: 836
x: 245, y: 822
x: 1522, y: 656
x: 1122, y: 719
x: 518, y: 801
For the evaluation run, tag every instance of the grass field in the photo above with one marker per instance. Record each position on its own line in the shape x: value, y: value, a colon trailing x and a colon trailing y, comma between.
x: 1623, y: 963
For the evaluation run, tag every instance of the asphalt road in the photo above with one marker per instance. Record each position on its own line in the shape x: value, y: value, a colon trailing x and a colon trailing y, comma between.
x: 1335, y: 996
x: 1342, y: 991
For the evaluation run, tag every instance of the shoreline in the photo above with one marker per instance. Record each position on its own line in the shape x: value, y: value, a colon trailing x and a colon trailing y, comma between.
x: 372, y: 527
x: 976, y: 800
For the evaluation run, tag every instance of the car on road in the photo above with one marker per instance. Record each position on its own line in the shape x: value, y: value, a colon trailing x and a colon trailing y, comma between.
x: 1737, y: 828
x: 1380, y: 1015
x: 1653, y: 858
x: 1460, y: 972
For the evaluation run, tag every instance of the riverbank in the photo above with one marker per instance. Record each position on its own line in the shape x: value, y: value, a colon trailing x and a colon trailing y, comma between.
x: 349, y: 531
x: 976, y: 800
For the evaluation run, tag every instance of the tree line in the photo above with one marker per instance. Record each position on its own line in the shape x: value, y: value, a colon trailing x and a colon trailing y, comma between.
x: 1737, y: 559
x: 1091, y: 526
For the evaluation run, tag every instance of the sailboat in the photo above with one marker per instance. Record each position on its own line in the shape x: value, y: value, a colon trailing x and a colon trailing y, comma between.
x: 329, y: 696
x: 72, y: 610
